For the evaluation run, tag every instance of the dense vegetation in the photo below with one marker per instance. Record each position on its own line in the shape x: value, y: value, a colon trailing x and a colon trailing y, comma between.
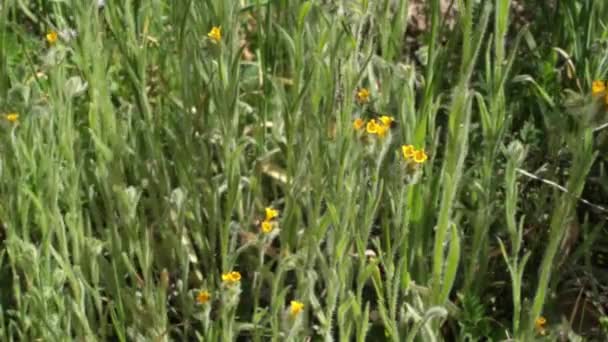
x: 303, y: 170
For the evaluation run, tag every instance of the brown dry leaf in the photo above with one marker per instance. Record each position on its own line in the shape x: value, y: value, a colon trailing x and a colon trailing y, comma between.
x: 249, y: 237
x: 275, y: 172
x: 244, y: 38
x: 249, y: 129
x: 418, y: 19
x: 246, y: 54
x: 331, y: 130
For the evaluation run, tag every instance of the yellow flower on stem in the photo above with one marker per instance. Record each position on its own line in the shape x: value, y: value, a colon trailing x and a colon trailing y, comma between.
x: 358, y: 123
x: 271, y: 214
x: 12, y: 117
x: 408, y: 151
x: 420, y: 156
x: 372, y: 126
x: 296, y: 308
x: 387, y: 120
x: 598, y: 87
x: 215, y: 34
x: 266, y: 226
x: 52, y: 37
x: 382, y: 130
x: 231, y: 278
x: 362, y: 96
x: 539, y: 324
x: 203, y: 297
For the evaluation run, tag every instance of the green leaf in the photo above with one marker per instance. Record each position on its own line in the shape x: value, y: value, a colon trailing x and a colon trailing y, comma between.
x: 451, y: 264
x: 303, y: 12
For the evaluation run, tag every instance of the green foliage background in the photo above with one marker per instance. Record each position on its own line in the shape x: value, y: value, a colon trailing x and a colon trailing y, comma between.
x: 145, y: 154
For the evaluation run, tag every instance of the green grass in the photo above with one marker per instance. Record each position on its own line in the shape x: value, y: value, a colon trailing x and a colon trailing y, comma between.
x: 145, y: 155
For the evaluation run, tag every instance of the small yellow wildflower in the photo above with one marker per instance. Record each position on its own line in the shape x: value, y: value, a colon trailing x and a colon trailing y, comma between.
x: 12, y: 117
x: 362, y: 96
x: 381, y: 130
x: 52, y: 37
x: 203, y: 297
x: 266, y: 226
x: 539, y: 324
x: 215, y: 34
x: 271, y: 214
x: 231, y: 277
x: 358, y: 124
x: 420, y: 157
x: 295, y: 308
x: 387, y: 120
x: 372, y: 126
x: 598, y: 87
x: 408, y: 151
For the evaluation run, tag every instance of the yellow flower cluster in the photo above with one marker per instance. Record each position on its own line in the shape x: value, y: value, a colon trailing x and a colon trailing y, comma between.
x: 540, y: 324
x: 358, y: 124
x: 362, y: 96
x: 598, y: 88
x: 231, y: 278
x: 379, y: 127
x: 52, y: 37
x: 411, y: 153
x: 12, y: 117
x: 215, y: 34
x: 203, y: 297
x: 296, y: 308
x: 268, y: 224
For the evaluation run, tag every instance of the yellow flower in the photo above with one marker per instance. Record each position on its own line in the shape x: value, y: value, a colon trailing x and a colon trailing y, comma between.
x: 420, y: 157
x: 231, y: 277
x: 52, y: 37
x: 203, y: 297
x: 295, y: 308
x: 12, y: 117
x: 408, y: 151
x: 381, y: 130
x: 378, y: 128
x: 539, y: 324
x: 215, y: 34
x: 271, y: 213
x: 358, y: 124
x: 266, y: 226
x: 362, y: 96
x: 387, y: 120
x: 372, y: 126
x: 597, y: 87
